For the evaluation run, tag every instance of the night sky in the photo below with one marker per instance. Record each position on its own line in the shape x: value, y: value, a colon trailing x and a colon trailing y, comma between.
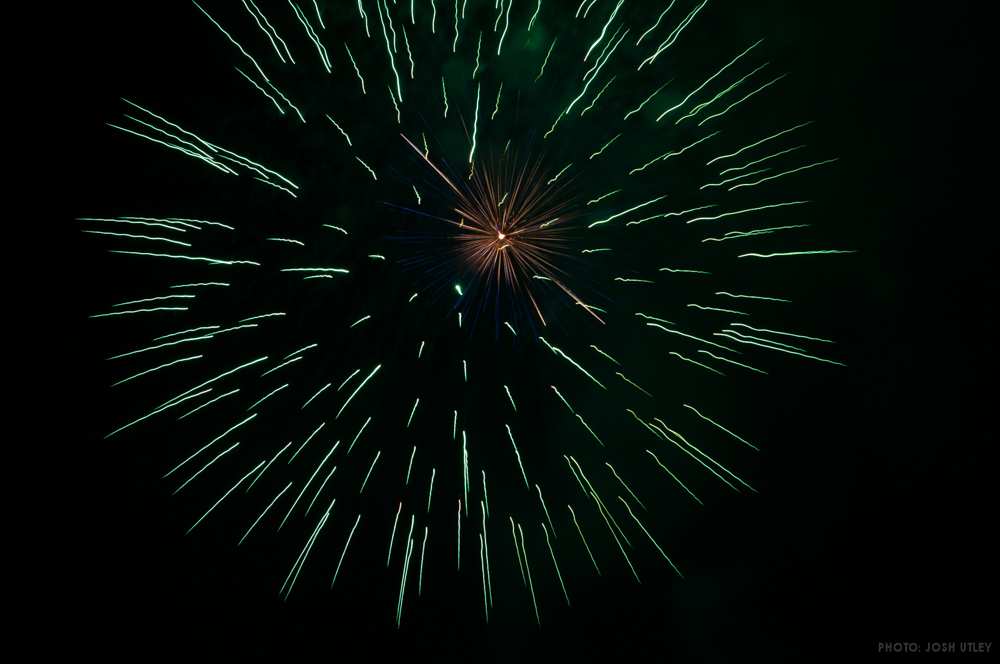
x: 871, y: 522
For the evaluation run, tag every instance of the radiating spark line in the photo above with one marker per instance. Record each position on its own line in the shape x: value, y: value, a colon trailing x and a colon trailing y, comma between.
x: 159, y: 346
x: 444, y: 93
x: 216, y: 504
x: 358, y: 435
x: 604, y: 147
x: 369, y: 473
x: 496, y: 109
x: 546, y: 510
x: 209, y: 444
x: 264, y: 30
x: 510, y: 3
x: 517, y: 455
x: 392, y: 97
x: 208, y: 403
x: 583, y: 539
x: 486, y: 553
x: 546, y: 60
x: 322, y: 485
x: 628, y: 211
x: 556, y: 176
x: 655, y: 543
x: 555, y: 563
x: 409, y: 53
x: 157, y: 368
x: 604, y: 30
x: 230, y: 38
x: 596, y: 71
x: 726, y: 359
x: 283, y: 364
x: 392, y: 537
x: 633, y: 384
x: 140, y: 237
x: 722, y: 183
x: 782, y: 350
x: 348, y: 138
x: 579, y: 367
x: 673, y: 36
x: 353, y: 528
x: 224, y: 374
x: 746, y: 210
x: 527, y: 569
x: 138, y: 311
x: 475, y: 125
x: 781, y: 333
x: 783, y: 173
x: 535, y: 15
x: 154, y: 299
x: 420, y: 578
x: 277, y: 186
x: 293, y: 574
x: 206, y: 467
x: 389, y: 49
x: 517, y: 551
x: 751, y: 297
x: 318, y: 15
x: 719, y: 309
x: 364, y: 17
x: 562, y: 398
x: 369, y: 168
x: 695, y: 362
x: 763, y: 340
x: 675, y: 478
x: 313, y: 37
x: 673, y: 153
x: 346, y: 380
x: 482, y: 568
x: 430, y: 490
x: 603, y: 196
x: 134, y: 222
x: 510, y: 397
x: 306, y: 442
x: 269, y: 463
x: 479, y: 46
x: 319, y: 392
x: 719, y: 426
x: 262, y: 514
x: 288, y: 101
x: 604, y: 515
x: 589, y: 430
x: 190, y: 330
x: 356, y: 70
x: 707, y: 81
x: 735, y: 235
x: 760, y: 142
x: 213, y: 261
x: 814, y: 252
x: 761, y: 160
x: 740, y: 101
x: 657, y: 24
x: 412, y: 412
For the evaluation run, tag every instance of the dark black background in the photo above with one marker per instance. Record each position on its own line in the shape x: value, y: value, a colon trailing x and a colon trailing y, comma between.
x: 875, y: 524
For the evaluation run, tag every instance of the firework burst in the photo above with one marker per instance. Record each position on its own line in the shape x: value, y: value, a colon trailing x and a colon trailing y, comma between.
x: 326, y: 364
